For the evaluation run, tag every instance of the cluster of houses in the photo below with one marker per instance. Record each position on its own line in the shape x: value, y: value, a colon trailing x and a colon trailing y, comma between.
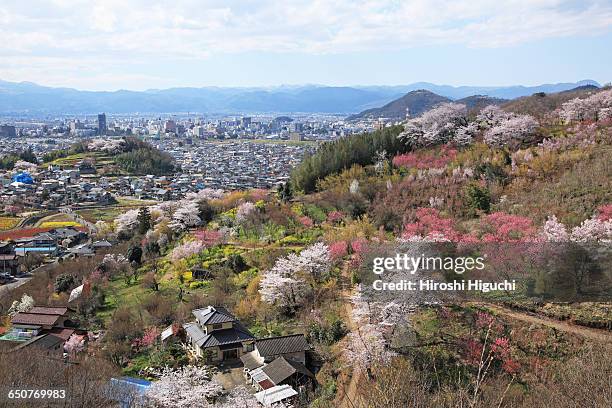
x: 45, y: 328
x: 65, y: 242
x: 235, y: 164
x: 276, y: 367
x: 55, y: 188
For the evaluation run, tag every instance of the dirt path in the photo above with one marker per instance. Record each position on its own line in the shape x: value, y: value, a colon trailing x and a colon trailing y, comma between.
x: 347, y: 395
x: 592, y: 334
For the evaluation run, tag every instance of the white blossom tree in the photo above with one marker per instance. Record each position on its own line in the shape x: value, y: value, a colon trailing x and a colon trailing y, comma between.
x: 187, y: 249
x: 594, y: 107
x: 22, y: 165
x: 554, y: 231
x: 238, y: 397
x: 127, y: 222
x: 282, y: 286
x: 315, y: 260
x: 25, y: 304
x: 185, y: 387
x: 517, y: 128
x: 436, y: 126
x: 366, y: 346
x: 243, y: 211
x: 186, y: 216
x: 285, y: 283
x: 593, y: 229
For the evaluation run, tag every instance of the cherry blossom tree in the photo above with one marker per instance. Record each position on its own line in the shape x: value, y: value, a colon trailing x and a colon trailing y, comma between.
x: 554, y: 231
x: 284, y: 284
x: 598, y: 228
x: 210, y: 237
x: 592, y: 108
x: 314, y: 260
x: 187, y: 249
x: 239, y: 397
x: 518, y: 128
x: 205, y: 194
x: 75, y: 344
x: 107, y: 145
x: 436, y: 126
x: 367, y: 346
x: 279, y: 288
x: 185, y: 217
x: 243, y: 211
x: 592, y: 229
x: 127, y: 222
x: 22, y: 165
x: 25, y: 304
x: 185, y: 387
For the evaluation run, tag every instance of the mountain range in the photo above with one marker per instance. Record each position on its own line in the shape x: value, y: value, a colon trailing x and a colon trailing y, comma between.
x: 30, y: 98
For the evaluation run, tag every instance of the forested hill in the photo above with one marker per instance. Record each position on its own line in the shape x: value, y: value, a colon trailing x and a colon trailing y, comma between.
x: 129, y: 156
x: 538, y: 156
x: 415, y: 103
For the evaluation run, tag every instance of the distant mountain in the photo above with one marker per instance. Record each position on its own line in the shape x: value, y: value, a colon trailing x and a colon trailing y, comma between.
x: 477, y: 102
x: 415, y: 103
x: 504, y: 92
x: 27, y: 97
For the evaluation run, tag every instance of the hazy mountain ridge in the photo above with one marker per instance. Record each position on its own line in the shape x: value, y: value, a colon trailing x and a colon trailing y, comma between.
x: 27, y: 97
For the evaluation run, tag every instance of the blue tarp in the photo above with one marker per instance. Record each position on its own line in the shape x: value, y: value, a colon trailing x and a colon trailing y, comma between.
x: 23, y: 178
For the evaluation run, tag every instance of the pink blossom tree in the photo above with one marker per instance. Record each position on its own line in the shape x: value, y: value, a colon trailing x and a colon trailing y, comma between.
x: 210, y: 237
x: 187, y: 249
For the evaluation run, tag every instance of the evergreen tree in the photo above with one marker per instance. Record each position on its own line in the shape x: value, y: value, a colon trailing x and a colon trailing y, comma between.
x: 144, y: 220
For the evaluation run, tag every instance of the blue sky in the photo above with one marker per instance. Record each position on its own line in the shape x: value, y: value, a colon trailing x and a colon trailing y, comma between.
x: 140, y: 44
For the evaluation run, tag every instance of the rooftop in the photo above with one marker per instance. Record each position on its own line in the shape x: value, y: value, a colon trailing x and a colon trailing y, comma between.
x: 213, y: 315
x: 273, y: 346
x: 280, y: 369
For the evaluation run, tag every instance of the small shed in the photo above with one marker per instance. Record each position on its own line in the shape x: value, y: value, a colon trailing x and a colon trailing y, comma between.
x: 275, y: 395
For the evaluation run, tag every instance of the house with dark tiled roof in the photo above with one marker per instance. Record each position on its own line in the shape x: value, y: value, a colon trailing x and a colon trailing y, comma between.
x: 217, y: 335
x: 276, y: 361
x: 292, y: 347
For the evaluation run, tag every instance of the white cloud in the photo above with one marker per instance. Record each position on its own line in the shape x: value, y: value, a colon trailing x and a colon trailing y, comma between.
x: 139, y: 30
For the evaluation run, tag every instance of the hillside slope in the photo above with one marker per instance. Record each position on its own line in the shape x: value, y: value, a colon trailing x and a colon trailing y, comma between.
x: 415, y: 103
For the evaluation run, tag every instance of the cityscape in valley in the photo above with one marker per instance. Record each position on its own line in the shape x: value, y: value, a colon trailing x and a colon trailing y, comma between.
x: 175, y: 231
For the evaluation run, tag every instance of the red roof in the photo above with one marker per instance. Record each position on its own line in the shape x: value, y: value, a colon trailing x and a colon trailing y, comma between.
x: 29, y: 232
x: 265, y: 384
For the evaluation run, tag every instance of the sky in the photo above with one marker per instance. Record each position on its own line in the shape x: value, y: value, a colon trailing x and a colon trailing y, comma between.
x: 144, y: 44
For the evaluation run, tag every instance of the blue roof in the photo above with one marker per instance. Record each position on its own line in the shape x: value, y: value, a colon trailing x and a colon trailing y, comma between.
x: 133, y: 380
x: 23, y: 177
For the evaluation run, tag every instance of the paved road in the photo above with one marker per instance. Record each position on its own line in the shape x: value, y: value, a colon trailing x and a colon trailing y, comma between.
x: 5, y: 289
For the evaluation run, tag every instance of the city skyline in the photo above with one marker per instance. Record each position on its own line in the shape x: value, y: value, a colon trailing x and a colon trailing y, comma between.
x: 133, y: 45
